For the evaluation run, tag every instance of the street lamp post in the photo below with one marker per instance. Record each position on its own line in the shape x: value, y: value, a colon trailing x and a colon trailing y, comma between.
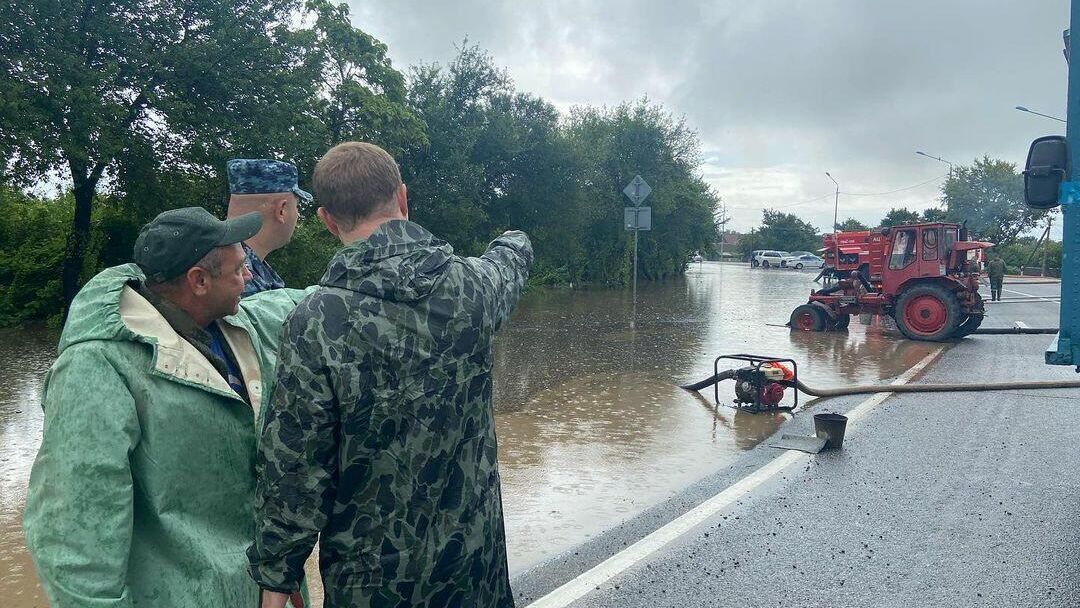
x: 836, y: 203
x: 1023, y: 109
x: 938, y: 158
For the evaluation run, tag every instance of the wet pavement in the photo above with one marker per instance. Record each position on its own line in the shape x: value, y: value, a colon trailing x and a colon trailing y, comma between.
x: 592, y: 428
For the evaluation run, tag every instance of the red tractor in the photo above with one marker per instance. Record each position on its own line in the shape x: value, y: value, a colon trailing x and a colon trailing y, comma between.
x: 923, y: 275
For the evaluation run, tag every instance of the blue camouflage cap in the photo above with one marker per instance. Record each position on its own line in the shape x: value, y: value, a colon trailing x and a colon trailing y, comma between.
x: 263, y: 176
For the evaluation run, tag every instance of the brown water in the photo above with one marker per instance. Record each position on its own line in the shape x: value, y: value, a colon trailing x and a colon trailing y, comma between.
x: 592, y: 428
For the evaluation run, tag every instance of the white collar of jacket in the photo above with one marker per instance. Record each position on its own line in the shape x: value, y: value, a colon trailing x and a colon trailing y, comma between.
x: 175, y: 357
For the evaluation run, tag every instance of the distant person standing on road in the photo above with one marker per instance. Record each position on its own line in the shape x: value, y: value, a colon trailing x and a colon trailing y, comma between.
x: 995, y: 269
x: 380, y: 440
x: 270, y: 188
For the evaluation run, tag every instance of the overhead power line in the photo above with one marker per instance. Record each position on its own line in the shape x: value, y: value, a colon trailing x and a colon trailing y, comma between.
x: 842, y: 193
x: 894, y: 191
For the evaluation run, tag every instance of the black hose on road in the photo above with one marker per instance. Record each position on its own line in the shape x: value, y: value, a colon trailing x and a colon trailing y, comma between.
x: 1015, y: 330
x: 868, y: 389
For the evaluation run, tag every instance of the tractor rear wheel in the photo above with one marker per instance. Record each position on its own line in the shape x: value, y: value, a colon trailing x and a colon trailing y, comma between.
x: 928, y: 312
x: 969, y: 325
x: 807, y: 317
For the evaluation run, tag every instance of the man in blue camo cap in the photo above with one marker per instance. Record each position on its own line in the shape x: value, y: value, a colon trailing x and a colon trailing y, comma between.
x: 269, y: 187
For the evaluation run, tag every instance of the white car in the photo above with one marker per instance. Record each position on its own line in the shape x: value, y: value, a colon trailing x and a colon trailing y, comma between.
x: 800, y: 260
x: 769, y: 258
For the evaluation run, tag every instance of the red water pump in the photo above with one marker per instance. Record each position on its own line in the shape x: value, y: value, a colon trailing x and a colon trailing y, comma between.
x: 760, y: 386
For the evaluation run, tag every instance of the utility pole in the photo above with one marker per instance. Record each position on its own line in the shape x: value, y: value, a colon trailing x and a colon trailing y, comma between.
x: 836, y: 204
x: 721, y: 222
x: 937, y: 158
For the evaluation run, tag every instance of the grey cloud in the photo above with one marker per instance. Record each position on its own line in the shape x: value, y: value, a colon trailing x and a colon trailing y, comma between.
x: 779, y: 90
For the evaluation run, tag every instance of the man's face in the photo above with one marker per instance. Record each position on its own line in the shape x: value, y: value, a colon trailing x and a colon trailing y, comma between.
x: 223, y: 292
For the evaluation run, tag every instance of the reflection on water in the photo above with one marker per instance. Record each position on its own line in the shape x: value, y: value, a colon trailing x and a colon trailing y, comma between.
x: 25, y: 356
x: 592, y: 428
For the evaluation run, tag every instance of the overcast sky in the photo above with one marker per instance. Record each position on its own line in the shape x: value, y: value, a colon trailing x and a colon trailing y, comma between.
x: 780, y: 91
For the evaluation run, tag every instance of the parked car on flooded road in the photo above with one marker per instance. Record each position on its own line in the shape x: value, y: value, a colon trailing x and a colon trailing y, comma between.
x: 769, y: 258
x: 805, y: 260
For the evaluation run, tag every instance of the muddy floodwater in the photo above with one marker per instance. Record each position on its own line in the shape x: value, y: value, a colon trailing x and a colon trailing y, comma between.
x: 591, y: 425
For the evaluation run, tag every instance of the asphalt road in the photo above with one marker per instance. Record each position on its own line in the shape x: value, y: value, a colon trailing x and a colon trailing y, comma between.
x: 963, y: 499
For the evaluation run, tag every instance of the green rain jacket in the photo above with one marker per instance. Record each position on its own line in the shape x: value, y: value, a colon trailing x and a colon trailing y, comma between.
x: 380, y: 440
x: 142, y: 490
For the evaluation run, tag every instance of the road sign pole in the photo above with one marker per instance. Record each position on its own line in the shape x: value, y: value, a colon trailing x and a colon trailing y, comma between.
x: 634, y: 316
x: 636, y: 218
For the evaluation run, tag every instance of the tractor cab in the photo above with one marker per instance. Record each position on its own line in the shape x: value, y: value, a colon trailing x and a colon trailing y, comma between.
x: 923, y: 251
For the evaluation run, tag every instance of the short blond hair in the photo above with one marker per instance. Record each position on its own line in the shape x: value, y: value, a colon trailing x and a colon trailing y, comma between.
x: 354, y: 180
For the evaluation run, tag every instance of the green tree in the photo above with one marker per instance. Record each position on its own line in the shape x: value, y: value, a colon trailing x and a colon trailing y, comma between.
x: 933, y: 214
x: 782, y: 231
x: 615, y: 145
x: 83, y: 83
x: 898, y: 216
x: 360, y: 94
x: 989, y: 196
x: 851, y: 225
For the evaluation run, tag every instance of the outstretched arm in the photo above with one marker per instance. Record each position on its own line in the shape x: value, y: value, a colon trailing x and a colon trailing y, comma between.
x: 504, y: 268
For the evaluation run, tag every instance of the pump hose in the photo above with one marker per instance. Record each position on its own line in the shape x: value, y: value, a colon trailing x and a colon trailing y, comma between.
x: 866, y: 389
x: 1015, y: 330
x: 711, y: 380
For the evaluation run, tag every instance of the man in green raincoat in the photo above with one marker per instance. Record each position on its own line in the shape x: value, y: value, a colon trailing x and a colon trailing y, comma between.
x: 380, y: 440
x: 142, y: 491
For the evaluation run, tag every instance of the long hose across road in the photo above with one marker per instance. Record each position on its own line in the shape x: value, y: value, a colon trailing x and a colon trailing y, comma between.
x: 866, y: 389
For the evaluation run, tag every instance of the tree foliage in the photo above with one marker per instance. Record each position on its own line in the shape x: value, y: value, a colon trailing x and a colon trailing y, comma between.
x: 149, y: 100
x: 851, y: 225
x: 501, y: 159
x: 989, y: 196
x: 478, y: 156
x: 898, y: 216
x: 781, y: 231
x: 934, y: 214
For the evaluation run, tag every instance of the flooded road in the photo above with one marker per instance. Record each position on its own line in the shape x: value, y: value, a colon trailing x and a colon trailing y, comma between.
x: 592, y: 428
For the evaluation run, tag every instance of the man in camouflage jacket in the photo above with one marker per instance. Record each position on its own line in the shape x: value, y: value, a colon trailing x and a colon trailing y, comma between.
x: 380, y: 440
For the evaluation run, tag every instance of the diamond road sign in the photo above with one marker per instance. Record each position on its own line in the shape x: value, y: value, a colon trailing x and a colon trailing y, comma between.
x: 637, y: 218
x: 637, y: 190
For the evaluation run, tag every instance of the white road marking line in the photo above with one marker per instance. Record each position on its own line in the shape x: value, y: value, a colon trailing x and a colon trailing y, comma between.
x: 1038, y: 298
x: 608, y: 569
x: 1020, y: 324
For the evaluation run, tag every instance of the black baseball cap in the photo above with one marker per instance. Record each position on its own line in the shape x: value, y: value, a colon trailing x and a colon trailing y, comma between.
x: 176, y: 240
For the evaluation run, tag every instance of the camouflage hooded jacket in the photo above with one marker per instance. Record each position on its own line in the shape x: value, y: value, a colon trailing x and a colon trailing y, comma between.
x: 380, y: 438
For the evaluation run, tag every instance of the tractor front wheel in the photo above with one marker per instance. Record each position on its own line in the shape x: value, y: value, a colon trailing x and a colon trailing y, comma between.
x: 928, y: 312
x: 807, y: 317
x: 842, y: 322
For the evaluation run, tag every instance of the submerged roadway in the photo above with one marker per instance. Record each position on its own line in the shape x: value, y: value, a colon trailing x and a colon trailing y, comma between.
x: 962, y: 499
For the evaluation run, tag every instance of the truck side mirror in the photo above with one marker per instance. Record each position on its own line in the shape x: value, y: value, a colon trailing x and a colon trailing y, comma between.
x: 1047, y: 166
